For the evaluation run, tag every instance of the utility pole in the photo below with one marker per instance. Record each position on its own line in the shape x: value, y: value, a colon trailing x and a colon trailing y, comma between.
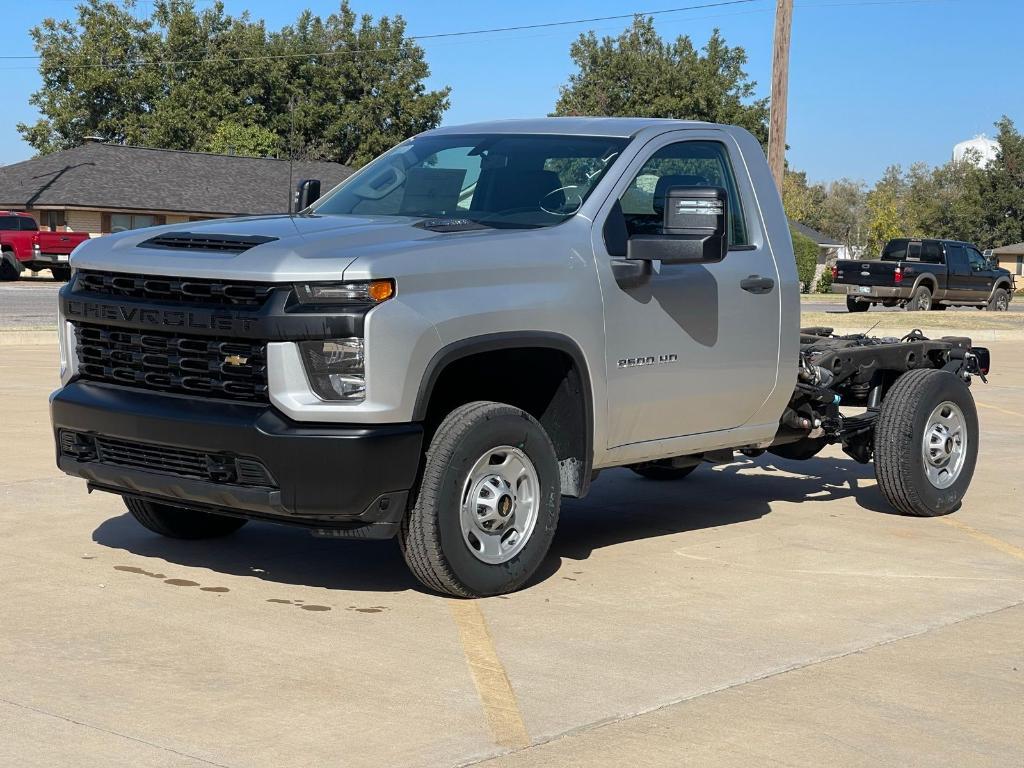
x: 780, y: 90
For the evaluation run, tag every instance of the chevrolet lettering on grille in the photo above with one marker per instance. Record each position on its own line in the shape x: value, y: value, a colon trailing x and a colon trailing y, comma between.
x: 143, y: 316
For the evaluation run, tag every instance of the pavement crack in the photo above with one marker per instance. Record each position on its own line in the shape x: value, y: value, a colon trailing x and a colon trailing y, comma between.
x: 796, y: 667
x: 101, y: 729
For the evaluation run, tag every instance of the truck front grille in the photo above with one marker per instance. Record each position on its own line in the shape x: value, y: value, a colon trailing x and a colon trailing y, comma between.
x: 182, y: 462
x: 230, y: 293
x: 167, y: 362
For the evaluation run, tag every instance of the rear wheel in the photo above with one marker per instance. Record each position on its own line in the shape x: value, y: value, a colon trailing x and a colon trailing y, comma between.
x: 926, y: 443
x: 662, y: 472
x: 7, y: 269
x: 180, y: 522
x: 852, y: 305
x: 1000, y: 301
x: 487, y: 504
x: 921, y: 300
x: 63, y: 274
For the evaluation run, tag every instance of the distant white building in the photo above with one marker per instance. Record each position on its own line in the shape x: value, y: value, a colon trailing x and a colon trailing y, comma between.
x: 981, y: 150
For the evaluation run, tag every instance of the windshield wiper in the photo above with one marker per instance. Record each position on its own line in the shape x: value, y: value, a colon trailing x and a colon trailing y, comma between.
x: 451, y: 225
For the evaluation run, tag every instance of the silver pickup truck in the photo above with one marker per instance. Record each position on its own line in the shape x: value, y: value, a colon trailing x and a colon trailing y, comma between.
x: 472, y: 327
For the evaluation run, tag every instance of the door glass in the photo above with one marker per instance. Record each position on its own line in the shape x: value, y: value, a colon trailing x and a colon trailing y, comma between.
x: 684, y: 164
x: 956, y: 258
x: 978, y: 263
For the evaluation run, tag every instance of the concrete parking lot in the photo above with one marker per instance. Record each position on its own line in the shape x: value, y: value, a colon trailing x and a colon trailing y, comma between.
x: 759, y: 613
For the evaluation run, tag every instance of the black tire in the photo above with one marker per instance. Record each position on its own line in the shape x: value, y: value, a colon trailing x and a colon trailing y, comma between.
x: 1000, y: 301
x: 63, y: 274
x: 899, y: 435
x: 7, y: 270
x: 181, y: 523
x: 431, y: 536
x: 852, y: 305
x: 662, y: 472
x: 921, y: 300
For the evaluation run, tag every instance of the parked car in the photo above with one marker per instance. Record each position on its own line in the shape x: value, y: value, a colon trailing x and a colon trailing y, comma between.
x: 923, y: 275
x: 402, y: 359
x: 23, y: 246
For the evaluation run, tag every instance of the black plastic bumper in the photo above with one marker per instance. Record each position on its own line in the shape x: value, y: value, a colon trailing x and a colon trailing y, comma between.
x: 346, y: 480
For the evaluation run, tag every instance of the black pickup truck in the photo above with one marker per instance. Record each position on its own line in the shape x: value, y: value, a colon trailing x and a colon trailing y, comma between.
x: 922, y: 275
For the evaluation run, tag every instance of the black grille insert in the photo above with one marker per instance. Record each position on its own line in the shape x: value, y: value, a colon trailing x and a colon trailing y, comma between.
x: 177, y: 289
x: 194, y: 241
x: 168, y: 362
x: 182, y: 462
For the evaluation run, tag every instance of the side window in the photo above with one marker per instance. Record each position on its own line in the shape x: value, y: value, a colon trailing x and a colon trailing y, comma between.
x: 684, y: 164
x: 978, y: 262
x: 956, y: 259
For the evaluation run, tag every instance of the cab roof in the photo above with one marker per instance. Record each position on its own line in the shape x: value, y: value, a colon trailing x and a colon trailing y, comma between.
x: 619, y: 127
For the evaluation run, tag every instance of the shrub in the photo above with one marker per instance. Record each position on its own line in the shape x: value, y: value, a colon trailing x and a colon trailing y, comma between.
x: 825, y: 281
x: 806, y: 252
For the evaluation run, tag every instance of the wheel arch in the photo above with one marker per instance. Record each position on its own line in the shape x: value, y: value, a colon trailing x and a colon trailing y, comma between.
x: 555, y: 388
x: 926, y: 278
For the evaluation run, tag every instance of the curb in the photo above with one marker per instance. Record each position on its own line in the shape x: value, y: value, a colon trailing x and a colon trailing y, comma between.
x: 27, y: 337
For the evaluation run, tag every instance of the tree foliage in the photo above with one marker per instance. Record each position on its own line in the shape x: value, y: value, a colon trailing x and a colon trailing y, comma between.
x: 806, y: 252
x: 343, y: 87
x: 637, y: 74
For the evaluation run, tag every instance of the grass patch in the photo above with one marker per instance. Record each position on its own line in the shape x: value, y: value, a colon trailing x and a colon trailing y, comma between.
x: 907, y: 321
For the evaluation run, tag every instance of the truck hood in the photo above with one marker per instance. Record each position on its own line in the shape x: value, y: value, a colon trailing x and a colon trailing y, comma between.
x: 304, y: 248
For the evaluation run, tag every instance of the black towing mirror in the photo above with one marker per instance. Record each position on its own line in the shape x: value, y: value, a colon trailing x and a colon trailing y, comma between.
x: 307, y: 192
x: 695, y: 228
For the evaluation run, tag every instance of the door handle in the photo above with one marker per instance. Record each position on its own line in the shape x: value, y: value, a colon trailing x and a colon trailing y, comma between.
x: 757, y: 284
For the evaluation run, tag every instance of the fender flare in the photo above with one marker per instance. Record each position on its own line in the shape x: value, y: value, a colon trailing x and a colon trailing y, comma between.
x: 924, y: 277
x: 493, y: 342
x: 1002, y: 282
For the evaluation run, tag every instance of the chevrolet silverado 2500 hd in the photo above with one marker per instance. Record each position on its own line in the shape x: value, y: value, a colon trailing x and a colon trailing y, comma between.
x: 923, y: 275
x: 471, y: 327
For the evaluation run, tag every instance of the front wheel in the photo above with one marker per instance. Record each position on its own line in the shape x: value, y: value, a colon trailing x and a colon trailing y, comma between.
x: 926, y: 443
x: 1000, y: 301
x: 181, y: 523
x: 487, y: 504
x: 852, y: 305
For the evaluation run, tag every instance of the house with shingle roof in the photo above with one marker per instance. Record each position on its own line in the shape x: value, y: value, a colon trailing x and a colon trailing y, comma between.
x: 100, y: 188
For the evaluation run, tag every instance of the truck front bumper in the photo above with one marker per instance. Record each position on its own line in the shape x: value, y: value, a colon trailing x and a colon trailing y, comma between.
x: 239, y: 459
x: 871, y: 292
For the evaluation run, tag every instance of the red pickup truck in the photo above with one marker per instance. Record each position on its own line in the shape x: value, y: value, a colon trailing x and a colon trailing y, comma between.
x: 23, y: 246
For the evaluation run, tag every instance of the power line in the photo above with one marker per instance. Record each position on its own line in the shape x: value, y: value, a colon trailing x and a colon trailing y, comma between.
x: 434, y: 36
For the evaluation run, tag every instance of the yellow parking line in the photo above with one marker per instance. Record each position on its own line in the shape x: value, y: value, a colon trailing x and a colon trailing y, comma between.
x: 1003, y: 546
x: 1001, y: 410
x: 489, y: 676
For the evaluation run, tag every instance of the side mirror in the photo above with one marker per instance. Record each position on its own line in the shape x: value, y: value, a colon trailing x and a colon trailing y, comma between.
x: 695, y: 228
x: 307, y: 192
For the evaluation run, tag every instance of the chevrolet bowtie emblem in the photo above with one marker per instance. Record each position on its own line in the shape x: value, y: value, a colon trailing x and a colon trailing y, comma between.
x: 235, y: 360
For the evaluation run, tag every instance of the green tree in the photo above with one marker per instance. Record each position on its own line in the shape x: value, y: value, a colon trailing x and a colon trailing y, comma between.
x: 994, y: 195
x: 638, y: 74
x: 232, y: 138
x: 885, y: 219
x: 806, y: 252
x: 344, y: 87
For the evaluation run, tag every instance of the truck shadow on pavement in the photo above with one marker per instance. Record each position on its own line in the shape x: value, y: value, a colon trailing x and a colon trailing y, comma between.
x: 621, y: 507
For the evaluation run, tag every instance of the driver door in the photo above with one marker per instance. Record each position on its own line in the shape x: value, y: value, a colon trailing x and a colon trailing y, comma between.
x: 691, y: 348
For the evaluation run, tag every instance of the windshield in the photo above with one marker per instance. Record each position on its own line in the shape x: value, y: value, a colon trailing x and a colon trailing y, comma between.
x: 498, y: 180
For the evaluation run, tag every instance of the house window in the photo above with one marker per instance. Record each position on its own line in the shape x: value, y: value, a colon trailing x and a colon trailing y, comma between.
x: 54, y: 220
x: 120, y: 222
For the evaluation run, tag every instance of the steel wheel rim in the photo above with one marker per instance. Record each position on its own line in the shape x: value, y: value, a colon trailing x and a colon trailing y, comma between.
x: 924, y: 301
x: 1002, y: 303
x: 500, y: 504
x: 944, y: 444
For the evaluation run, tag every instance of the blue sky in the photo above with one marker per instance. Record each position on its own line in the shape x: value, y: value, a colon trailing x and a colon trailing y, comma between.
x: 872, y: 82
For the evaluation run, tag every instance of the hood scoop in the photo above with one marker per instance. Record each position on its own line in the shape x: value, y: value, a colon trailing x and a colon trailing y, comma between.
x: 211, y: 243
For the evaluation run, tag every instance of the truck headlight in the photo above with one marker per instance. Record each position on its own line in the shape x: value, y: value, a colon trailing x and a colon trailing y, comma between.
x: 335, y: 368
x: 360, y: 292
